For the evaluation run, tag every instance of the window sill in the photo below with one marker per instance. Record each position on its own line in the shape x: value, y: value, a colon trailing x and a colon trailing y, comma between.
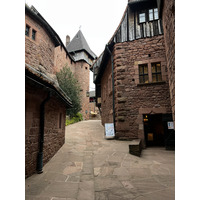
x: 152, y: 83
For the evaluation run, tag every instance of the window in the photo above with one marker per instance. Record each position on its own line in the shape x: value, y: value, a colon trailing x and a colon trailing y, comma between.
x: 33, y: 34
x: 142, y: 18
x: 156, y: 72
x: 27, y: 30
x: 143, y: 73
x: 153, y: 14
x: 151, y: 71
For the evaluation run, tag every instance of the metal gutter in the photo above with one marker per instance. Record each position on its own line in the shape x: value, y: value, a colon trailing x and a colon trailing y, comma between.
x: 42, y: 121
x: 41, y: 142
x: 113, y: 85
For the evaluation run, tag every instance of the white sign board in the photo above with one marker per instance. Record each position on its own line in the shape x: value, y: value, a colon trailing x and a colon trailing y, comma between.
x: 170, y: 125
x: 109, y: 130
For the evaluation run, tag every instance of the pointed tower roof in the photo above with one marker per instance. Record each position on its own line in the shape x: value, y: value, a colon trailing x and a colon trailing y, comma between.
x: 79, y: 43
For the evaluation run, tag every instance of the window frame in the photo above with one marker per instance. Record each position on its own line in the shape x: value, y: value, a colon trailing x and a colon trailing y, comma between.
x: 164, y: 74
x: 145, y: 17
x: 34, y: 31
x: 143, y: 75
x: 29, y: 28
x: 156, y: 73
x: 153, y: 9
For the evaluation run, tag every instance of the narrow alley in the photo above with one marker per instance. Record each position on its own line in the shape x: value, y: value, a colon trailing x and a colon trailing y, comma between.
x: 89, y: 167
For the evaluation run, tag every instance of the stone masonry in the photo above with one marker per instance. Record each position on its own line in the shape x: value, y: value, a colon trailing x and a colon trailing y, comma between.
x: 43, y: 52
x: 62, y: 59
x: 106, y: 82
x: 169, y: 36
x: 133, y: 99
x: 40, y: 51
x: 52, y: 58
x: 54, y: 134
x: 82, y: 74
x: 80, y: 69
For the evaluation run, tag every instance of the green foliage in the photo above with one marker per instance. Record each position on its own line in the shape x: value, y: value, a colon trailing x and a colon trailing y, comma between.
x: 78, y: 117
x: 71, y: 87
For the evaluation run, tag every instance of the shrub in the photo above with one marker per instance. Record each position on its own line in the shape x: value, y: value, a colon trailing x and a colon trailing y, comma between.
x: 71, y: 87
x: 78, y: 117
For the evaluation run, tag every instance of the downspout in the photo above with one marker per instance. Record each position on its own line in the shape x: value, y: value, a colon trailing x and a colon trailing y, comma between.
x: 41, y: 142
x: 113, y: 85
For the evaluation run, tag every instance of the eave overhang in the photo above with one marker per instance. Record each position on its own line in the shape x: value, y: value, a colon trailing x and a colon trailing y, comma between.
x: 47, y: 81
x: 104, y: 61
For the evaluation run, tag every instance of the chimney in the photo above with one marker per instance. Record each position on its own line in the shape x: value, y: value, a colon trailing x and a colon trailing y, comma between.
x: 67, y: 40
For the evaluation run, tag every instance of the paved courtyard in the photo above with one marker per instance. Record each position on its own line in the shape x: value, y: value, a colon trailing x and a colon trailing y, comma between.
x: 89, y: 167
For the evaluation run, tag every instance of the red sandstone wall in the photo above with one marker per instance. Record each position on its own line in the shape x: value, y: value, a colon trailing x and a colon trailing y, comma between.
x: 43, y: 52
x: 62, y: 60
x: 169, y: 36
x: 81, y: 71
x: 54, y: 136
x: 106, y: 95
x: 82, y: 74
x: 132, y: 99
x: 33, y: 100
x: 40, y: 51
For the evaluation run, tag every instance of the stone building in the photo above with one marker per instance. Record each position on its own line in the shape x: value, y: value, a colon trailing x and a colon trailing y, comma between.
x: 132, y: 76
x: 80, y: 51
x: 45, y: 102
x: 167, y: 12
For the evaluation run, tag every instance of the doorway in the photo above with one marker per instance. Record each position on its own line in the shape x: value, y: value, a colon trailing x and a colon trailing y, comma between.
x: 154, y: 130
x: 157, y: 131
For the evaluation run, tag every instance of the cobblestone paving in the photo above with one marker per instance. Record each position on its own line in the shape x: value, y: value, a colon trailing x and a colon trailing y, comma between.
x: 89, y: 167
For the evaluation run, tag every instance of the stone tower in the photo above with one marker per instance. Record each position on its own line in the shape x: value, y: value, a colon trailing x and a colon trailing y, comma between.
x: 79, y: 49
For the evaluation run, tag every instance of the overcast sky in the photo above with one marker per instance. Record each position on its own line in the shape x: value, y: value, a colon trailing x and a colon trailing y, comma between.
x: 98, y: 20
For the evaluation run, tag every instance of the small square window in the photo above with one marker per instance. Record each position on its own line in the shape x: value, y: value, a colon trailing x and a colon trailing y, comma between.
x: 142, y: 18
x: 27, y: 30
x: 33, y: 34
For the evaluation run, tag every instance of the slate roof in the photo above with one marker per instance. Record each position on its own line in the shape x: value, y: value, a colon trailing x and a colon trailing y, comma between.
x: 79, y: 43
